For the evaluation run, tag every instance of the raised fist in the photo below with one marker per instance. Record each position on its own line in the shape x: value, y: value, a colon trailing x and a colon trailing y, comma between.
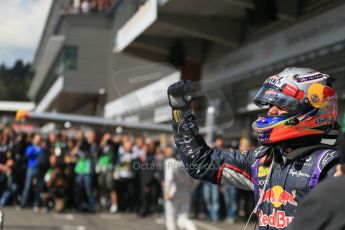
x: 181, y: 94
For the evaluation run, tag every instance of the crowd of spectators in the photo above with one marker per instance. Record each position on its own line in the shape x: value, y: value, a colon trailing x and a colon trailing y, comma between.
x: 93, y: 172
x: 87, y: 6
x: 80, y: 172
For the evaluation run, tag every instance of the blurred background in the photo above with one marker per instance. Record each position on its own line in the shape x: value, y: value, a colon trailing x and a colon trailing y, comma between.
x: 83, y: 107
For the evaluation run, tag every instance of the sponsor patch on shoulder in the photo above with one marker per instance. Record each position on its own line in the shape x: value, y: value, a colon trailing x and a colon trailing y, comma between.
x: 327, y: 157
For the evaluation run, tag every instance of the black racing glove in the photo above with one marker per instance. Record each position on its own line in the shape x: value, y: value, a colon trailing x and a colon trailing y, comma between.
x: 180, y: 95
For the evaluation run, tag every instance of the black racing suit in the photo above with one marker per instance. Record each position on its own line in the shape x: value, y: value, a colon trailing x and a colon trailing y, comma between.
x: 290, y: 178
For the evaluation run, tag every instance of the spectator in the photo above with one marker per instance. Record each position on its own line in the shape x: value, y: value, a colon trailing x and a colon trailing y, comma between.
x: 70, y: 159
x: 211, y: 197
x: 114, y: 193
x: 178, y: 186
x: 230, y: 192
x: 55, y: 184
x: 139, y: 150
x: 51, y: 142
x: 148, y: 181
x: 92, y: 141
x: 198, y: 202
x: 32, y: 154
x: 105, y: 166
x: 11, y: 170
x: 103, y: 5
x: 84, y: 171
x: 20, y: 145
x: 93, y: 6
x: 245, y: 199
x: 139, y: 153
x: 57, y: 146
x: 6, y: 143
x: 157, y: 192
x: 85, y: 6
x: 126, y: 176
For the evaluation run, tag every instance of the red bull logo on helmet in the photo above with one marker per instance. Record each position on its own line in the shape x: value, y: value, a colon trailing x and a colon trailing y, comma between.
x: 320, y: 96
x: 277, y: 196
x: 328, y: 93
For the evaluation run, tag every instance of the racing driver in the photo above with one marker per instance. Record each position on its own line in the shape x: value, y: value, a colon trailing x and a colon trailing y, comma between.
x: 297, y: 137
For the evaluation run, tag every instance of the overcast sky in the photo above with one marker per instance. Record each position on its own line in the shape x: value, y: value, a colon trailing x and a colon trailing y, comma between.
x: 21, y: 26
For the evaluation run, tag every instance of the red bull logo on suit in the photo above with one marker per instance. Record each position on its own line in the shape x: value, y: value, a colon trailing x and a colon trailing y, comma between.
x: 277, y: 219
x: 277, y: 196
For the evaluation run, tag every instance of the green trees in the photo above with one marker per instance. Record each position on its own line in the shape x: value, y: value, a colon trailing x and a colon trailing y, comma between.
x: 15, y: 81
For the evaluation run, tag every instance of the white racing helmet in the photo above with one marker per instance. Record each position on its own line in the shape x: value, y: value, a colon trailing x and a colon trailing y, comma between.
x: 309, y: 98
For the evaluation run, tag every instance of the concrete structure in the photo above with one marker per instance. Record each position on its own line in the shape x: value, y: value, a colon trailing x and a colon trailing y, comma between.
x: 71, y: 63
x: 76, y: 70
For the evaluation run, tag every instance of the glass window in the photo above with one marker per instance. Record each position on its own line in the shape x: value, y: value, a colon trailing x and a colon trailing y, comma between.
x: 70, y: 57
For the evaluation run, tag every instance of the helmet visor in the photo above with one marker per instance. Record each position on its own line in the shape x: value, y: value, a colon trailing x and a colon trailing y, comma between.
x: 270, y: 95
